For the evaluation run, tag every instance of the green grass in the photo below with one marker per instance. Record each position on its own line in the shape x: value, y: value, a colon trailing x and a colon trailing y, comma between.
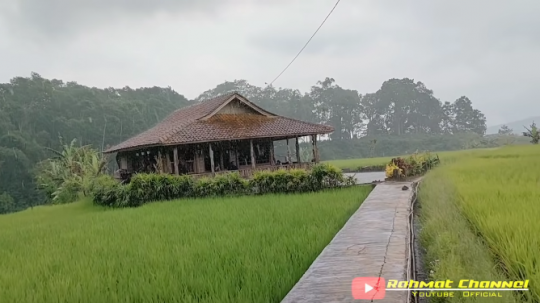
x: 479, y: 216
x: 362, y: 162
x: 247, y: 249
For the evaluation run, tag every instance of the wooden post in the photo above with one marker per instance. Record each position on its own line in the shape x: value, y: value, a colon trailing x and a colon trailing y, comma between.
x: 168, y: 159
x: 222, y: 166
x: 237, y: 156
x: 160, y: 163
x: 288, y: 152
x: 211, y: 154
x: 272, y: 153
x: 313, y: 138
x: 252, y: 154
x: 298, y: 151
x: 175, y: 156
x: 315, y: 149
x: 123, y: 162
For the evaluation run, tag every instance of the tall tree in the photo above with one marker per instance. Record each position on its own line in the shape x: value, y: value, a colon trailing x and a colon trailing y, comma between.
x: 466, y: 118
x: 338, y: 107
x: 405, y: 106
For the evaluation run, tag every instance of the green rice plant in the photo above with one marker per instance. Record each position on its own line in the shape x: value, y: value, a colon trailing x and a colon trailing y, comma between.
x: 235, y: 249
x: 493, y: 196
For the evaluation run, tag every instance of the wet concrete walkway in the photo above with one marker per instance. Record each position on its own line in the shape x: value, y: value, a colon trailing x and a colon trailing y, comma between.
x: 373, y: 243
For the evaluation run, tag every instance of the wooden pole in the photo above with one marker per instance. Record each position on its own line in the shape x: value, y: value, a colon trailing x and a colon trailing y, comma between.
x: 175, y: 156
x: 236, y: 155
x: 313, y: 148
x: 288, y: 152
x: 316, y: 149
x: 252, y: 154
x: 298, y: 151
x: 211, y: 154
x: 168, y: 159
x: 222, y: 163
x: 272, y: 152
x: 160, y: 163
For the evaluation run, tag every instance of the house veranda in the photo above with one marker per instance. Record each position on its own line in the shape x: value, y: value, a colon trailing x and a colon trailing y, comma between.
x: 227, y: 133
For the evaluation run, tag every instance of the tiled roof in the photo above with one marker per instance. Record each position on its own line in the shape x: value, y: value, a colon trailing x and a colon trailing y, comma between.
x: 194, y: 125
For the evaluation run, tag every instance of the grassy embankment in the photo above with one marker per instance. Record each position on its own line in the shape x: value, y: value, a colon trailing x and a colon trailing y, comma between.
x: 354, y: 164
x: 246, y: 249
x: 479, y: 215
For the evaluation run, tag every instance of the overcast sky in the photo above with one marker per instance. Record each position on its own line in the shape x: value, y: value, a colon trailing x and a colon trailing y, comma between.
x: 486, y: 50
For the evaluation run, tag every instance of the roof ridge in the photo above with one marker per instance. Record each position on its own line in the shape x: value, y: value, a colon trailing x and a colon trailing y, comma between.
x: 221, y: 98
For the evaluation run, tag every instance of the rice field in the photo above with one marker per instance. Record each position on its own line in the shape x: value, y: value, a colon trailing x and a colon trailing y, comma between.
x: 480, y: 219
x: 246, y: 249
x: 362, y: 162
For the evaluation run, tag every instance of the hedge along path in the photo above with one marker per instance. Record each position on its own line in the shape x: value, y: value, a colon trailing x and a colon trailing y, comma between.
x: 373, y: 243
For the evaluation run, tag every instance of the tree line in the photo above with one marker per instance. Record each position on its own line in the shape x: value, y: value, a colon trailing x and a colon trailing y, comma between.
x: 36, y: 112
x: 400, y: 106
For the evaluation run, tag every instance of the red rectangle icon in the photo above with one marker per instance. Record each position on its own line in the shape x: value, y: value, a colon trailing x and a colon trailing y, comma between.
x: 368, y: 288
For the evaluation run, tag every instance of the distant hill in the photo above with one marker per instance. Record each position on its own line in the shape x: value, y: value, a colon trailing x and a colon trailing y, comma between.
x: 517, y: 126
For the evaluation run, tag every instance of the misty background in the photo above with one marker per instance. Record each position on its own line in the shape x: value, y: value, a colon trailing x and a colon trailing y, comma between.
x: 482, y: 49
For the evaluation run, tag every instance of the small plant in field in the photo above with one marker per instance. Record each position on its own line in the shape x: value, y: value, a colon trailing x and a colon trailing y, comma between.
x: 391, y: 168
x: 532, y: 133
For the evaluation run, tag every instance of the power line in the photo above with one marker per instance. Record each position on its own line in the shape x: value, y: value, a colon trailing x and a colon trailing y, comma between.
x: 305, y: 44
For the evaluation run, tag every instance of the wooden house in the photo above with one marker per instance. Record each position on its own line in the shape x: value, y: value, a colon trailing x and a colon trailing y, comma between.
x: 222, y: 134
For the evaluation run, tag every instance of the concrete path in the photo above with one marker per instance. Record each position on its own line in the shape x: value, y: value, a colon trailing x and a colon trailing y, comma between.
x: 373, y: 243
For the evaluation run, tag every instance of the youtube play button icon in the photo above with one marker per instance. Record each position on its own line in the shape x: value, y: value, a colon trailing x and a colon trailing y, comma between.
x: 368, y: 288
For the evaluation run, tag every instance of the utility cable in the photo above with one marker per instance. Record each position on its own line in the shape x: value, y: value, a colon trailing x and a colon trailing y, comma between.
x: 305, y: 44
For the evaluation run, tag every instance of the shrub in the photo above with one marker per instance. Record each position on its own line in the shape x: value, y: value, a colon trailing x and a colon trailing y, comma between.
x: 145, y: 188
x: 326, y: 175
x: 281, y: 181
x: 228, y: 184
x: 156, y: 187
x: 414, y: 165
x: 105, y: 190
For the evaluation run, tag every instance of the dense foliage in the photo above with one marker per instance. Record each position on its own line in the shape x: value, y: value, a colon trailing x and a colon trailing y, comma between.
x: 70, y: 174
x: 145, y: 188
x: 34, y: 111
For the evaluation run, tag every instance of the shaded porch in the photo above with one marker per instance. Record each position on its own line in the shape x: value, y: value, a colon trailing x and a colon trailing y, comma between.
x: 212, y: 158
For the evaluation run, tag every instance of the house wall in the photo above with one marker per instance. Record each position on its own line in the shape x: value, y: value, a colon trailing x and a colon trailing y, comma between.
x: 235, y: 108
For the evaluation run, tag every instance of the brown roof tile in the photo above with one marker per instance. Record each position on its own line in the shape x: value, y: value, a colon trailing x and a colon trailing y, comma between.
x: 186, y: 125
